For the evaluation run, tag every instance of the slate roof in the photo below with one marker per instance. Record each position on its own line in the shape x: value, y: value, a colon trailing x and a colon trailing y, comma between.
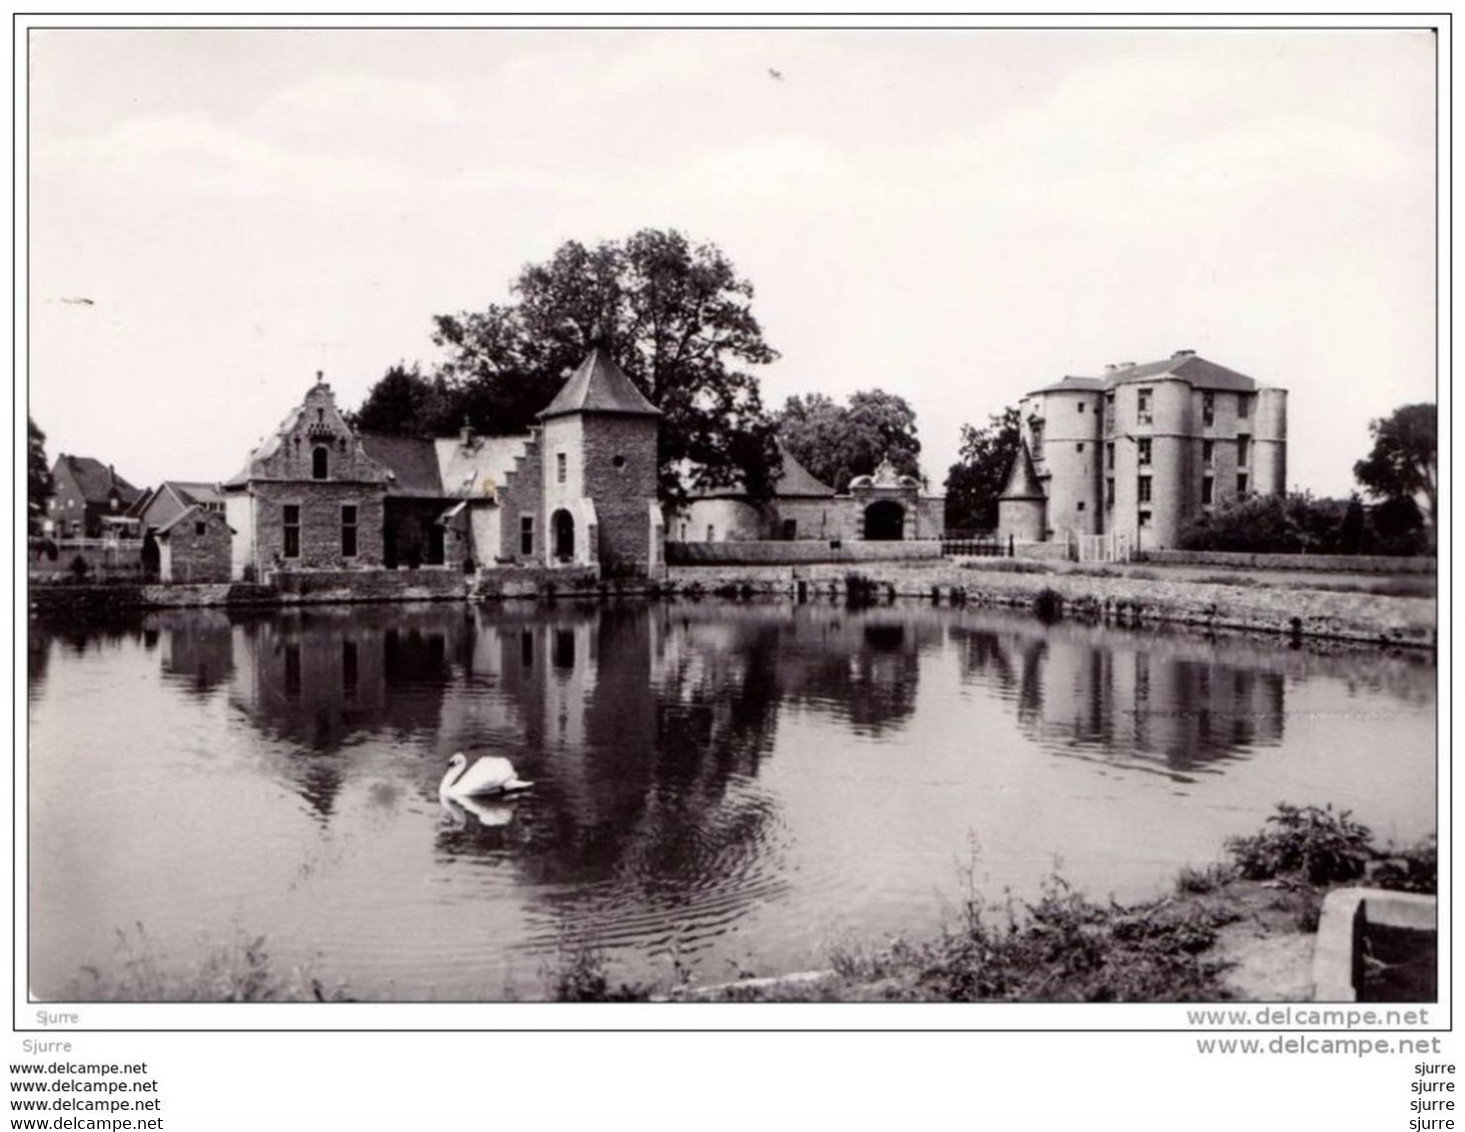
x: 794, y: 481
x: 1073, y: 385
x: 195, y: 492
x: 194, y: 512
x: 1186, y: 366
x: 600, y: 386
x: 95, y: 480
x: 412, y: 460
x: 1022, y: 481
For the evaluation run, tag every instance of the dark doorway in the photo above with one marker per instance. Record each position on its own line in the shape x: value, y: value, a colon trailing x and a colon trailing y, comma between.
x: 564, y: 536
x: 884, y: 521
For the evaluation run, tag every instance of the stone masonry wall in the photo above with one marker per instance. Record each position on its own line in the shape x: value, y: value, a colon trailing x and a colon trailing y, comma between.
x: 192, y: 557
x: 624, y: 493
x: 320, y: 524
x: 522, y: 494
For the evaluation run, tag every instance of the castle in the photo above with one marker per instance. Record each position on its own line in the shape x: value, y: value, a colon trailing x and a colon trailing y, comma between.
x: 1141, y: 451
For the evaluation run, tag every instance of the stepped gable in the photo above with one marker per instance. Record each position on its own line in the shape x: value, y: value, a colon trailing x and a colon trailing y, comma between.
x: 600, y: 386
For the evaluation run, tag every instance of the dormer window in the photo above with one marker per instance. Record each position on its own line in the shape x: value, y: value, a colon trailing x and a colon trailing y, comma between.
x: 320, y: 463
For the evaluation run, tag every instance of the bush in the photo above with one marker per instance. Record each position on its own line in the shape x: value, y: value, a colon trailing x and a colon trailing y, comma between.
x: 80, y: 568
x: 1048, y: 605
x: 860, y: 591
x: 1316, y: 845
x: 1415, y: 869
x: 579, y: 976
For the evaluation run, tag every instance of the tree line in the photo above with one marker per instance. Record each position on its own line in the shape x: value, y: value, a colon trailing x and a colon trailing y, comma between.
x: 677, y: 317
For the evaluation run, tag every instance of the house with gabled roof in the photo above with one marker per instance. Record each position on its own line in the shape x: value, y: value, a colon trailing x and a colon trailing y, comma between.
x: 88, y: 498
x: 577, y: 490
x: 1141, y: 450
x: 155, y: 508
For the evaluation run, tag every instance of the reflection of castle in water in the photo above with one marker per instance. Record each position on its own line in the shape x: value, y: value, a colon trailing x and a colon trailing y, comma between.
x: 1174, y: 701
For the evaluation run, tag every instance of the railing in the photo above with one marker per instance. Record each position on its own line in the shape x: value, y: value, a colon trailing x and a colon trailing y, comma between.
x: 989, y: 547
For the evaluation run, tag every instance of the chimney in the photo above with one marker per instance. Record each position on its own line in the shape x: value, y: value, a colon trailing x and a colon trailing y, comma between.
x: 1183, y: 354
x: 1111, y: 367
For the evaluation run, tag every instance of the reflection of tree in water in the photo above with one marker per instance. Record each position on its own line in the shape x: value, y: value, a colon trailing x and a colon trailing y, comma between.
x: 641, y: 733
x: 866, y: 666
x: 1125, y: 698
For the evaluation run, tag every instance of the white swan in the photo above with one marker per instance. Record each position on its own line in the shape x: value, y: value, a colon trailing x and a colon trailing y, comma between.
x: 490, y: 814
x: 489, y: 775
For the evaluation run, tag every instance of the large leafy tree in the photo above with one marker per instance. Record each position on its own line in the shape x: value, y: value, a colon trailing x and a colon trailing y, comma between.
x: 1403, y: 462
x: 675, y: 316
x: 975, y: 481
x: 407, y: 403
x: 838, y: 442
x: 38, y: 470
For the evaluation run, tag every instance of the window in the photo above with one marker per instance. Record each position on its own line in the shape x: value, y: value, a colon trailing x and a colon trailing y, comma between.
x: 1146, y: 412
x: 1144, y: 489
x: 1241, y: 483
x: 526, y: 535
x: 1080, y: 406
x: 710, y: 533
x: 292, y: 530
x: 561, y: 467
x: 1081, y: 505
x: 1243, y: 406
x: 1109, y: 455
x: 348, y: 530
x: 526, y: 647
x: 1208, y: 490
x: 1208, y: 408
x: 319, y: 463
x: 618, y: 462
x: 1243, y: 450
x: 1109, y: 491
x: 790, y: 529
x: 200, y: 528
x: 1080, y: 445
x: 1144, y: 518
x: 1208, y: 452
x: 1144, y: 450
x: 1036, y: 429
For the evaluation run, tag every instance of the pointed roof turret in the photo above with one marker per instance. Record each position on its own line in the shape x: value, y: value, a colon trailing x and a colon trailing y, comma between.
x: 1022, y: 481
x: 600, y: 386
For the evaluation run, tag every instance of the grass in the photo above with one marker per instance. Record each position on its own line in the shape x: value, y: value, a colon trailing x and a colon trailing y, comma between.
x: 239, y: 970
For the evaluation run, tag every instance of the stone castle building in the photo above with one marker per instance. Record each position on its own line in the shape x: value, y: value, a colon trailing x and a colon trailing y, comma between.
x: 578, y: 490
x: 1142, y: 450
x: 883, y: 506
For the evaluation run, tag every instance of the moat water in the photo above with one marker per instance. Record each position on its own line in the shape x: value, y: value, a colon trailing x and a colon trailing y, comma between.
x: 718, y: 788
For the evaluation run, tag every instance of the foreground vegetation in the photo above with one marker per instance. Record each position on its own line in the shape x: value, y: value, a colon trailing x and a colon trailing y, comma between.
x: 1066, y: 947
x: 1063, y: 946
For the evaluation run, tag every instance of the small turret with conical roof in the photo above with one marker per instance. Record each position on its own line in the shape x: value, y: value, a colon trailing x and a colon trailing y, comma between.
x: 1022, y: 508
x: 599, y: 451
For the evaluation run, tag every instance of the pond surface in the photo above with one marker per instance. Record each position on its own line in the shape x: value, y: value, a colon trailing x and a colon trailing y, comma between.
x: 717, y: 787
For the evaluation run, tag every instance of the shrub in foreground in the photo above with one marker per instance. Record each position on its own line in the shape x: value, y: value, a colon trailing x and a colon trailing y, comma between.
x: 1315, y: 844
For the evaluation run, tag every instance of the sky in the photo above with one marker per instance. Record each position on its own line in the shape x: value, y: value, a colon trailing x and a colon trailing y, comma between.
x: 954, y: 216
